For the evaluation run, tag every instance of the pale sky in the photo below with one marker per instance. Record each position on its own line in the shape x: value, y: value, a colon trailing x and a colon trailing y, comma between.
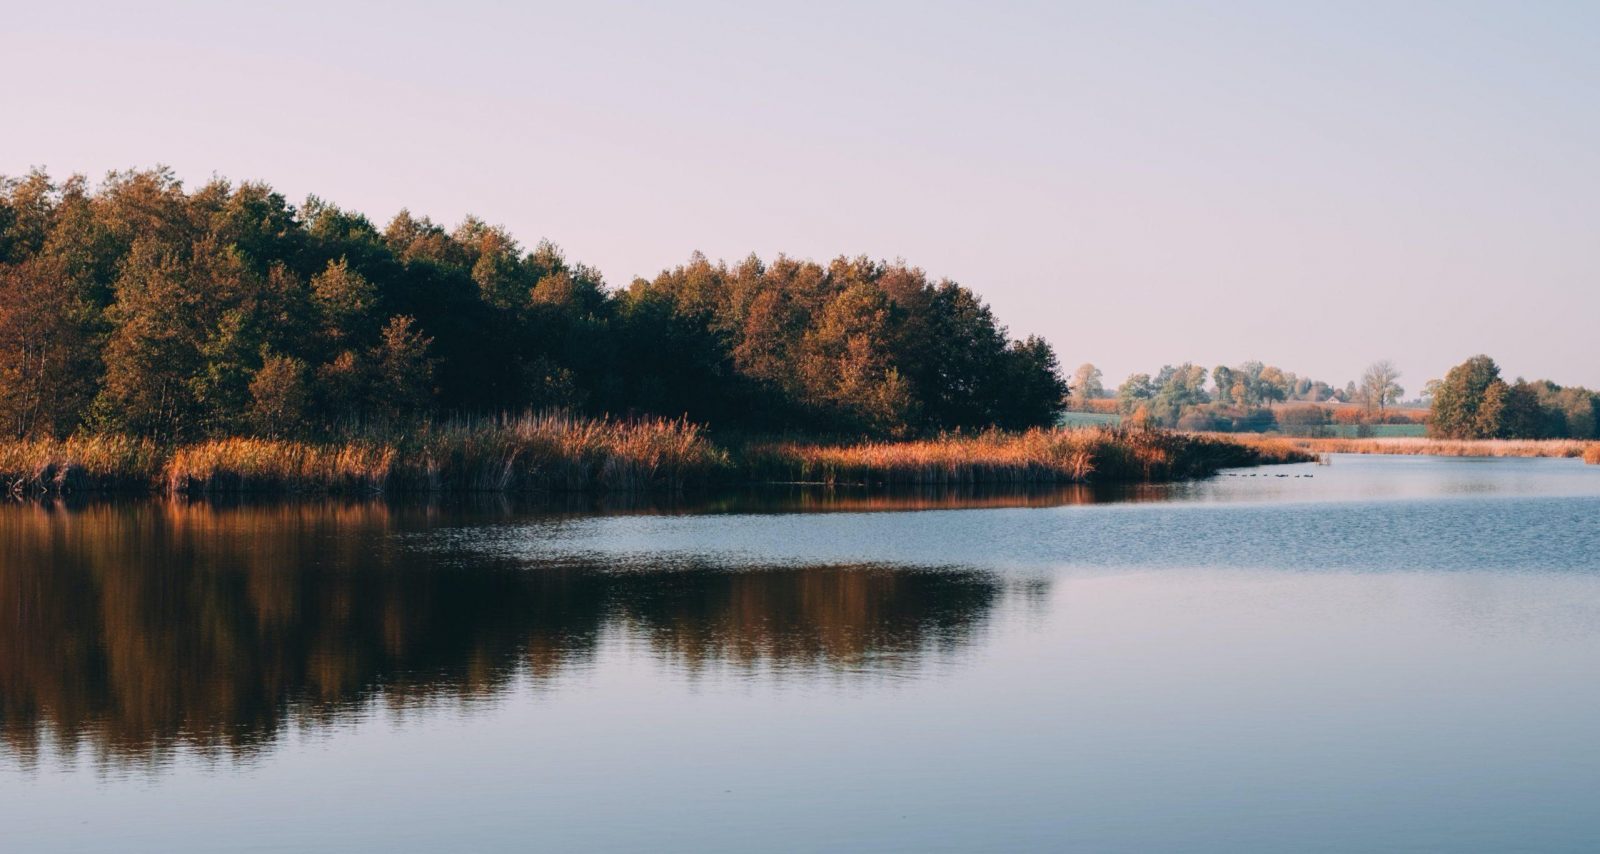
x: 1313, y: 185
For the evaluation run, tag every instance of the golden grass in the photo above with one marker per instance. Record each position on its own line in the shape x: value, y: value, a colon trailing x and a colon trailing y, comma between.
x: 562, y: 453
x: 1035, y: 456
x: 272, y: 465
x: 1591, y: 455
x: 544, y: 452
x: 1445, y: 447
x: 79, y: 464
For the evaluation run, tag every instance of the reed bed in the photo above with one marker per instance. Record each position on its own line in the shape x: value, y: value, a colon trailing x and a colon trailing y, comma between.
x: 227, y: 466
x: 558, y: 453
x: 549, y: 452
x: 1101, y: 454
x: 79, y: 464
x: 1447, y: 447
x: 1591, y: 455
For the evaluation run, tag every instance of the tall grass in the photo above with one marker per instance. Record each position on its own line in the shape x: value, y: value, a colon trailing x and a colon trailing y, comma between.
x: 558, y: 453
x: 79, y: 464
x: 1101, y: 454
x: 536, y: 452
x: 1591, y: 455
x: 225, y: 466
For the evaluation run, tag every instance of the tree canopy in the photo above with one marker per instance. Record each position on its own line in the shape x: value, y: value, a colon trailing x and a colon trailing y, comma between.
x: 142, y: 307
x: 1473, y: 402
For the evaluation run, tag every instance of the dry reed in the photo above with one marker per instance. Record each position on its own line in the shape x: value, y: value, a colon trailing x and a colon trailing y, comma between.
x: 1443, y: 447
x: 1100, y: 454
x: 536, y: 452
x: 79, y: 464
x: 560, y: 453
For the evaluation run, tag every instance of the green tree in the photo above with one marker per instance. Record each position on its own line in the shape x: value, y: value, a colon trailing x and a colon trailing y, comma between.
x: 1037, y: 394
x: 1520, y: 416
x: 1134, y: 394
x: 1468, y: 403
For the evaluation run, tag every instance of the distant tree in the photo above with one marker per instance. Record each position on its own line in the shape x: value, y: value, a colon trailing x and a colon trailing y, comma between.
x: 1087, y: 383
x: 1273, y: 385
x: 1520, y: 416
x: 1176, y: 389
x: 1222, y: 377
x: 1379, y: 387
x: 1571, y: 412
x: 1468, y: 402
x: 1134, y: 394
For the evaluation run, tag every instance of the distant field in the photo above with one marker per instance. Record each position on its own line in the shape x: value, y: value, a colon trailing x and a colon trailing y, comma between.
x: 1380, y: 431
x: 1445, y: 447
x: 1089, y: 419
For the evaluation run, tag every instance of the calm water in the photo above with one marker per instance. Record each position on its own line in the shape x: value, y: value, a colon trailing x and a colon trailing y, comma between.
x: 1383, y: 654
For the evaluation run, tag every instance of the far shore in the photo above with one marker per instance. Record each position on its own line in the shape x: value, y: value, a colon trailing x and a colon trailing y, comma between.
x: 1418, y: 446
x: 559, y: 453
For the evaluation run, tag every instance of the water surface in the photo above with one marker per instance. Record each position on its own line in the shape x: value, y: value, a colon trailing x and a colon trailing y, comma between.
x: 1388, y: 653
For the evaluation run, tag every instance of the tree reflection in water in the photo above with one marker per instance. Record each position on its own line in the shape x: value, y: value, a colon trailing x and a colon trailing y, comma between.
x: 134, y: 630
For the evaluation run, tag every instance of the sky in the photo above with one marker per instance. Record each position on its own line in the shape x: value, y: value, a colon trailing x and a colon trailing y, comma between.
x: 1316, y: 186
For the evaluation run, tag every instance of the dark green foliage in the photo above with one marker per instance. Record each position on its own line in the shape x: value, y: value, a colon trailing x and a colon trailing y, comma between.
x: 141, y: 308
x: 1473, y: 402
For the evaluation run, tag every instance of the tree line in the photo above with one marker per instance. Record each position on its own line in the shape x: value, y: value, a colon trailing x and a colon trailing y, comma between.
x: 1474, y: 402
x: 1238, y: 397
x: 139, y: 307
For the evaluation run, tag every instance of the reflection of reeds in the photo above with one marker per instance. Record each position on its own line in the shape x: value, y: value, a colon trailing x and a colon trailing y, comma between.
x: 1101, y: 454
x: 1448, y: 447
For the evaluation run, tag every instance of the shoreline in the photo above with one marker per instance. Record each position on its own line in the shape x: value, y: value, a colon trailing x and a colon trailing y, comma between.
x: 1587, y: 450
x: 556, y: 454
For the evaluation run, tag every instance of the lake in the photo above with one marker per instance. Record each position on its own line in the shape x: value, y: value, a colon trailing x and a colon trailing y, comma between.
x: 1385, y: 653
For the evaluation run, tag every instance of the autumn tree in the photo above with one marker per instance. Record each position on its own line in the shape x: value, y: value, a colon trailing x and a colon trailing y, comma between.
x: 145, y: 307
x: 402, y: 370
x: 1379, y: 385
x: 280, y: 395
x: 1467, y: 404
x: 1087, y: 383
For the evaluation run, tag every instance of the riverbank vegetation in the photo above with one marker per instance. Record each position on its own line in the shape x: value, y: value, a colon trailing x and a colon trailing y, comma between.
x: 1035, y: 456
x: 558, y: 453
x: 1421, y: 446
x: 1473, y: 402
x: 1252, y: 397
x: 534, y: 453
x: 139, y: 308
x: 221, y: 340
